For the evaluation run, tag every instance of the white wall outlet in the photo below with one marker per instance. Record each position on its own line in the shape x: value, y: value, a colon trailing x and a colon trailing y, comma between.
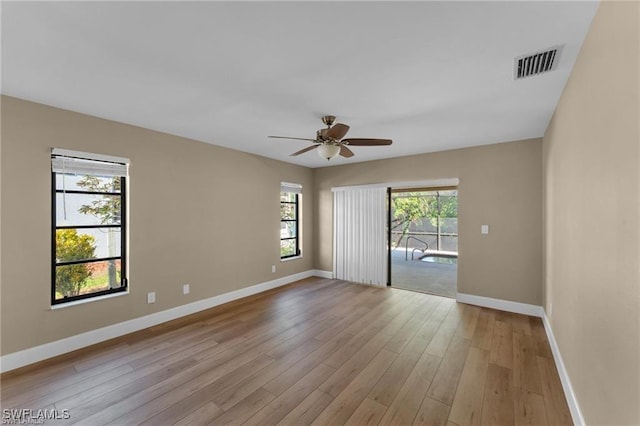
x: 273, y: 268
x: 151, y: 297
x: 186, y: 289
x: 484, y: 229
x: 550, y: 309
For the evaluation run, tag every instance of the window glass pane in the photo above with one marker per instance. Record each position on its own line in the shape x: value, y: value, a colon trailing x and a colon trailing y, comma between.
x: 287, y: 211
x: 287, y: 229
x: 87, y: 209
x: 85, y: 278
x: 84, y: 244
x: 289, y: 217
x: 287, y: 248
x: 87, y: 183
x: 289, y: 197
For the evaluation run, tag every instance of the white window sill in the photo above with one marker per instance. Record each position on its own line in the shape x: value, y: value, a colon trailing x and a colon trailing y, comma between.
x: 291, y: 258
x: 88, y: 300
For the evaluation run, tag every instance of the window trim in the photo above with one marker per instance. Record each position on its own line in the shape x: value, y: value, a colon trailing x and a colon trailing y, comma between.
x: 298, y: 252
x: 124, y: 287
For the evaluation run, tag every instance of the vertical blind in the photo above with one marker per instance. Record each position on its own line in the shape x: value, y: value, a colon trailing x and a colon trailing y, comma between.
x: 359, y: 227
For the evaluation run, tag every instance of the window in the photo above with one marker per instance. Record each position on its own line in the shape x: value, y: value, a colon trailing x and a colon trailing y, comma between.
x: 88, y: 225
x: 290, y: 195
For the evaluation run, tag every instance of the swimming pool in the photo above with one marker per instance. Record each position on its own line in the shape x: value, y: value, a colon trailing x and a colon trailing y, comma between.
x: 439, y: 258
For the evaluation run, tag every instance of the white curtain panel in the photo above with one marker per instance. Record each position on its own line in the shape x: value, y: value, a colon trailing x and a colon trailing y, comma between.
x: 360, y: 243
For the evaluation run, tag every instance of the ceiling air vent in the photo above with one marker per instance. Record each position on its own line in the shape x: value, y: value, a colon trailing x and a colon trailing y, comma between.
x: 536, y: 63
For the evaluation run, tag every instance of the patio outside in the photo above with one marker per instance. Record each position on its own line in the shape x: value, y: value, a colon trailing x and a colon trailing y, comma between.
x: 424, y: 241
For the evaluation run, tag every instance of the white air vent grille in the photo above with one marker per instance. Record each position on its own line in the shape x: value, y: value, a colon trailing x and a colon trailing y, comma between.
x: 536, y: 63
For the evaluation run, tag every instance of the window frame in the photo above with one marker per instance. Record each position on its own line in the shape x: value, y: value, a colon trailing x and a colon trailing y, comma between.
x: 296, y: 204
x: 122, y: 226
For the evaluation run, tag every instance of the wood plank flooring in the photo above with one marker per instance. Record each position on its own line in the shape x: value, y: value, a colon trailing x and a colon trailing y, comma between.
x: 319, y: 352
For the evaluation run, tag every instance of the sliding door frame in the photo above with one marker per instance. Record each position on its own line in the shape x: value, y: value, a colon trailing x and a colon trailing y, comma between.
x: 408, y: 188
x: 389, y: 260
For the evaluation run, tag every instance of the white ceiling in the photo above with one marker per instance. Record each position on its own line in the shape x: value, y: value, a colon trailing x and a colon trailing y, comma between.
x: 429, y: 75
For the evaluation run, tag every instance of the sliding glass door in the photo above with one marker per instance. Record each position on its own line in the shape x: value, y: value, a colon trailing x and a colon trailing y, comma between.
x: 423, y: 239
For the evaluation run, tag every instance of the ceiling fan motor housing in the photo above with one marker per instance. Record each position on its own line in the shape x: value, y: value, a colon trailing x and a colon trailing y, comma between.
x: 328, y: 119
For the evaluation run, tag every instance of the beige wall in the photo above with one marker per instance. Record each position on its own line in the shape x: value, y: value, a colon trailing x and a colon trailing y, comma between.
x: 500, y: 185
x: 592, y: 215
x: 199, y: 214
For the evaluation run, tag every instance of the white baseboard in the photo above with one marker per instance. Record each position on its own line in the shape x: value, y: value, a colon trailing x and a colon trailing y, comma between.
x: 501, y: 305
x: 48, y: 350
x: 322, y: 274
x: 574, y: 407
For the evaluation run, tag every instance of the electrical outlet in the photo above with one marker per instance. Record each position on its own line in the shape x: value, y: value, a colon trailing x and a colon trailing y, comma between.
x: 484, y: 229
x: 550, y: 309
x: 151, y: 297
x: 186, y: 289
x: 273, y: 268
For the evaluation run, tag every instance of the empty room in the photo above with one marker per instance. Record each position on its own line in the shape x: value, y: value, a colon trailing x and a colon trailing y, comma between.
x: 327, y: 213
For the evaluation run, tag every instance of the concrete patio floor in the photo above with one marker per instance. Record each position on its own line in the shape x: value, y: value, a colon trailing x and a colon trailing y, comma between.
x: 425, y: 277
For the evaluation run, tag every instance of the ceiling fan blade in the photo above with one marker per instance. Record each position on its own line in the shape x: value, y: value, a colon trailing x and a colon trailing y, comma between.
x: 302, y: 151
x: 366, y: 142
x: 337, y: 131
x: 287, y: 137
x: 345, y: 152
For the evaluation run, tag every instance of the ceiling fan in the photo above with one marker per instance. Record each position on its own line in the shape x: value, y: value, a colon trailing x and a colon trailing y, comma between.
x: 330, y: 143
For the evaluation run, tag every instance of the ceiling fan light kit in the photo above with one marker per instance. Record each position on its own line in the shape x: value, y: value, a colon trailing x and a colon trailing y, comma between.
x: 330, y: 143
x: 328, y: 151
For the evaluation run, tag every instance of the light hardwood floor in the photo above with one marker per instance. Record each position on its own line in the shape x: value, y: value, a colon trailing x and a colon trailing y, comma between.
x: 321, y: 352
